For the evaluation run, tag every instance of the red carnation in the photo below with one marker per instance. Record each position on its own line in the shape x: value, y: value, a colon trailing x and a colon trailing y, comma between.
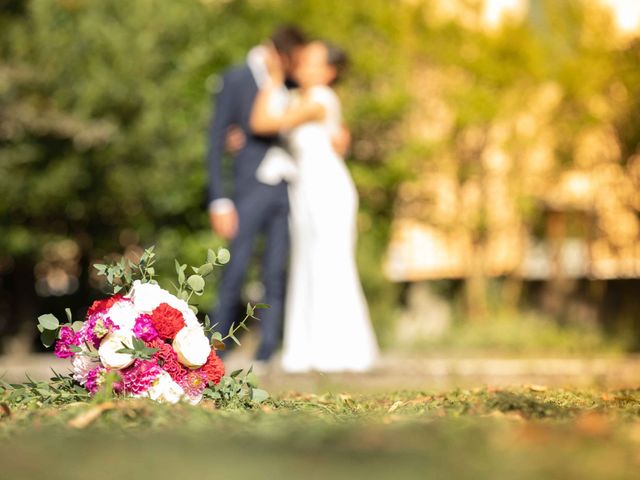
x: 103, y: 305
x: 168, y: 360
x: 213, y: 368
x: 167, y: 321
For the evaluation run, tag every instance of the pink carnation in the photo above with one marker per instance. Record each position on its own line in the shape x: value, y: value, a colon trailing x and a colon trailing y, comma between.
x: 143, y: 328
x: 67, y: 338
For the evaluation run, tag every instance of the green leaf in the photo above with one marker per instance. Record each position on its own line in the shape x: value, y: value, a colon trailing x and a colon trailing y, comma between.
x: 205, y: 269
x: 48, y: 321
x: 48, y: 337
x: 235, y: 373
x: 249, y: 310
x: 258, y: 395
x: 211, y: 256
x: 251, y: 379
x: 196, y: 282
x: 223, y: 256
x: 77, y: 325
x: 262, y: 305
x: 216, y: 336
x: 69, y: 316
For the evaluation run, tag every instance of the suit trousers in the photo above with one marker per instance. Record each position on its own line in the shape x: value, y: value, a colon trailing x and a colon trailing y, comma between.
x: 263, y: 210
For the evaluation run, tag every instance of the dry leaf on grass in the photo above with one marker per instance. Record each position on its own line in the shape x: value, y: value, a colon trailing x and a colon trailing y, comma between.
x: 87, y: 417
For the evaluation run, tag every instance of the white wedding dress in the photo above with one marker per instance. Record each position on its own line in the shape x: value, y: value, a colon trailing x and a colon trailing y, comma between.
x: 327, y: 326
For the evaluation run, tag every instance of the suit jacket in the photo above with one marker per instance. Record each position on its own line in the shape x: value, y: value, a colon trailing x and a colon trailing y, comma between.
x: 233, y: 105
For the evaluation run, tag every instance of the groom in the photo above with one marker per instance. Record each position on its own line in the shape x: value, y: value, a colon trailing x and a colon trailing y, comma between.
x: 252, y: 207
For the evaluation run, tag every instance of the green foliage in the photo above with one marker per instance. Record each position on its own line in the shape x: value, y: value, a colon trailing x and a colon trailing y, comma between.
x: 104, y: 107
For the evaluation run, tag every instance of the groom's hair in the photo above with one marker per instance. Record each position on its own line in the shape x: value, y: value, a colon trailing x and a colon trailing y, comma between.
x: 286, y: 38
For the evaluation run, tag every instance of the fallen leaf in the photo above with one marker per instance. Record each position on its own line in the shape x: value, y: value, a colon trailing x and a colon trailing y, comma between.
x: 395, y: 406
x: 538, y: 388
x: 87, y: 417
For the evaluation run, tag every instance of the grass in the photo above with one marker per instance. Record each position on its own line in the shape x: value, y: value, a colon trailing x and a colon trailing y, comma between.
x: 521, y: 432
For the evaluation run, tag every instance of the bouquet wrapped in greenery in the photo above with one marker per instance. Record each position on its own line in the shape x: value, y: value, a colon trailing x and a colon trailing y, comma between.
x: 143, y: 341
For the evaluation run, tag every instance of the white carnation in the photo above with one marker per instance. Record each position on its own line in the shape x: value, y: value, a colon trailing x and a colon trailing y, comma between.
x: 192, y: 346
x: 164, y: 389
x: 82, y: 365
x: 109, y: 348
x: 147, y: 297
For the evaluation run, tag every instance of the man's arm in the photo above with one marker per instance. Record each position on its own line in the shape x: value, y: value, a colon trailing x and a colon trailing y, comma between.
x: 222, y: 213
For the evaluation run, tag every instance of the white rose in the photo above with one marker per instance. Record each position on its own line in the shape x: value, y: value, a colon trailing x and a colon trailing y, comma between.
x: 164, y: 389
x: 192, y: 346
x: 123, y: 314
x: 109, y: 348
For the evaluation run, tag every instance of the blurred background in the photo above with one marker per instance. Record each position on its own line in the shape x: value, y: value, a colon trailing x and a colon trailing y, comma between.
x: 496, y: 149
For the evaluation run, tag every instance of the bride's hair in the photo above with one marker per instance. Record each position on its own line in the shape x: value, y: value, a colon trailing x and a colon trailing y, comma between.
x: 337, y: 58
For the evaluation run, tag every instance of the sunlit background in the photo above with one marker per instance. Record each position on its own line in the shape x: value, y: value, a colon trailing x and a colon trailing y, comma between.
x: 496, y: 149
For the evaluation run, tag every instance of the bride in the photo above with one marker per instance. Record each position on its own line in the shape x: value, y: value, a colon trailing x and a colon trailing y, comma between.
x: 327, y: 326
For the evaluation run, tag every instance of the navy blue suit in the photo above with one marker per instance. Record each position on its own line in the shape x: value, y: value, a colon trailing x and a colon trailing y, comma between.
x: 262, y: 209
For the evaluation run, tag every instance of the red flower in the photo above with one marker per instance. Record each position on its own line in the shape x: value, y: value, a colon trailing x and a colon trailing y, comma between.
x: 168, y: 360
x: 103, y: 305
x: 213, y: 368
x: 167, y: 321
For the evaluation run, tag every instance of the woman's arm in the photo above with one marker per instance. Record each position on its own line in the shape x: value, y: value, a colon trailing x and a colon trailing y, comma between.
x: 265, y: 122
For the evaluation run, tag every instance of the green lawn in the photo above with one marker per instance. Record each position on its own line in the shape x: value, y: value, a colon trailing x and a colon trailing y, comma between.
x: 523, y: 433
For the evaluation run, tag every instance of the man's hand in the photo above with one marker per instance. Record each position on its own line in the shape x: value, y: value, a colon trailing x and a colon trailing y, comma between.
x: 341, y: 141
x: 235, y: 139
x: 224, y: 223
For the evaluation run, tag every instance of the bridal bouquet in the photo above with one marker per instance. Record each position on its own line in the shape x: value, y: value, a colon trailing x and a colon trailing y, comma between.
x: 144, y: 341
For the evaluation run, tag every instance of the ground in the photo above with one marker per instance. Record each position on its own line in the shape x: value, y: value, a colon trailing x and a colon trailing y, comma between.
x: 525, y: 432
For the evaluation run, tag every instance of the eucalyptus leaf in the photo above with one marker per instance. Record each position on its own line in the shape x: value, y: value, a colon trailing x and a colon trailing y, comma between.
x: 48, y: 337
x: 77, y: 325
x: 258, y: 395
x: 205, y: 269
x: 196, y: 282
x: 49, y: 321
x: 223, y: 256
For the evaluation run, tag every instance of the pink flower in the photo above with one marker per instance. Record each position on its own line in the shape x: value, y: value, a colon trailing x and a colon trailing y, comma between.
x: 167, y: 358
x: 95, y: 378
x: 139, y: 377
x: 67, y: 338
x: 95, y: 328
x: 194, y: 383
x: 143, y: 328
